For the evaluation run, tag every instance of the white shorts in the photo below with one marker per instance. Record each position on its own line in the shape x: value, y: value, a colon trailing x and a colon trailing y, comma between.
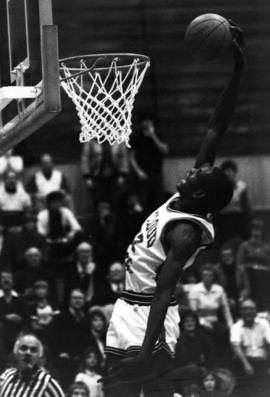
x: 128, y: 325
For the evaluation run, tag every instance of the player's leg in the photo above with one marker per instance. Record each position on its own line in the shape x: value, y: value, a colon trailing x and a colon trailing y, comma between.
x: 124, y: 389
x: 161, y: 385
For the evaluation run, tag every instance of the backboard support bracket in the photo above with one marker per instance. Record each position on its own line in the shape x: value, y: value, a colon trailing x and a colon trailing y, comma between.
x: 47, y: 105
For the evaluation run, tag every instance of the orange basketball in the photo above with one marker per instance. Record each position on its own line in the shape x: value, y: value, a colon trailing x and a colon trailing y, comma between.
x: 208, y: 37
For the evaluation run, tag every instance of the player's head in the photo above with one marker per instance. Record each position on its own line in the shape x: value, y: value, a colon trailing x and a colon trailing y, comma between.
x: 205, y: 190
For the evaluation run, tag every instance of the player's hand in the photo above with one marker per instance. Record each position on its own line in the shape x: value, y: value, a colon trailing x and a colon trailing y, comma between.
x: 129, y: 370
x: 238, y: 42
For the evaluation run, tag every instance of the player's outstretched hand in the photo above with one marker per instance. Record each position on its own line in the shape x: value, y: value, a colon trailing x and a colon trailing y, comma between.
x: 238, y: 42
x: 129, y: 370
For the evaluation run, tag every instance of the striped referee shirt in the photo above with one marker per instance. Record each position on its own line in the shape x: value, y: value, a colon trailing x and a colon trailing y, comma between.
x: 40, y: 384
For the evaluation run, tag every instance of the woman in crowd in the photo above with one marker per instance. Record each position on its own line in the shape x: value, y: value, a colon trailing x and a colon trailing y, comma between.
x: 98, y: 327
x: 211, y: 386
x: 89, y: 371
x: 209, y: 300
x: 253, y: 256
x: 193, y: 352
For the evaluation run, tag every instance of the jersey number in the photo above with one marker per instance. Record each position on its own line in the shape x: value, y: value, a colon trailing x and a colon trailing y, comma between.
x: 128, y: 261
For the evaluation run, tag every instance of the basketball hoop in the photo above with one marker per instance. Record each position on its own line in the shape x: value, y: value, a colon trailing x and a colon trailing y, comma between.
x: 103, y: 88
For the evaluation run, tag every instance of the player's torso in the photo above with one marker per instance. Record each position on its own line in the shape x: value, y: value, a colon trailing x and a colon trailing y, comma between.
x: 146, y: 254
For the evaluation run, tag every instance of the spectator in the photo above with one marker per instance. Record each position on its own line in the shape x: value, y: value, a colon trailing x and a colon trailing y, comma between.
x: 148, y: 151
x: 13, y: 312
x: 28, y: 378
x: 46, y: 180
x: 98, y: 327
x: 14, y: 201
x: 250, y: 340
x: 11, y: 162
x: 59, y: 225
x: 233, y: 221
x: 68, y: 336
x: 113, y: 286
x: 3, y: 237
x: 82, y: 273
x: 15, y: 244
x: 130, y: 219
x: 211, y: 386
x: 33, y: 270
x: 41, y: 310
x: 253, y: 256
x: 209, y: 299
x: 78, y: 389
x: 231, y: 277
x: 105, y: 169
x: 103, y: 230
x: 89, y: 372
x: 193, y: 352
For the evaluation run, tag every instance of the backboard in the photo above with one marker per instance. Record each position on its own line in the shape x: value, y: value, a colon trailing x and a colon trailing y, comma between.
x: 29, y: 71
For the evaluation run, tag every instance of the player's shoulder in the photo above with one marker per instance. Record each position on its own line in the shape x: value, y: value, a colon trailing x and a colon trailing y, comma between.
x: 182, y: 232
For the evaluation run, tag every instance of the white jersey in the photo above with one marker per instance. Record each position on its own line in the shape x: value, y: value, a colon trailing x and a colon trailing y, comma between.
x: 145, y: 257
x: 146, y: 254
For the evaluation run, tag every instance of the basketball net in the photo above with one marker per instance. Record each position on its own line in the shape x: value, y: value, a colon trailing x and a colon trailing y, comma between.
x: 104, y: 95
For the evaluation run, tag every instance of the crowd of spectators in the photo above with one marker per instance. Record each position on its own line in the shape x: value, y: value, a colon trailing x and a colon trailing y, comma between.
x: 60, y: 275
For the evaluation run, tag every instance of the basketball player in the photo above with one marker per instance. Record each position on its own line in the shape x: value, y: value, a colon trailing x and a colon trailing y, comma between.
x: 144, y: 325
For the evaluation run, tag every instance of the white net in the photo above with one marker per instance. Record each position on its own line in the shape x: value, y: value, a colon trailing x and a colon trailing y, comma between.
x: 104, y: 96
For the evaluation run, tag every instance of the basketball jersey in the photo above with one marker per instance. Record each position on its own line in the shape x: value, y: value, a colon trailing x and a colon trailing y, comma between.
x: 146, y: 253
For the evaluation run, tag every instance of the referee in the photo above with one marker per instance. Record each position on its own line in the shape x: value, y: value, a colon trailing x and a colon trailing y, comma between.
x: 28, y: 379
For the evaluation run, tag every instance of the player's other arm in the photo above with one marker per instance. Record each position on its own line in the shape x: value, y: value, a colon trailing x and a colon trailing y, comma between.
x: 183, y: 240
x: 225, y: 106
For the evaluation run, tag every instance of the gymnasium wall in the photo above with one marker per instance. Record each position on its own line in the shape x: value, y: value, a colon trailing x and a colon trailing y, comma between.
x: 181, y: 92
x: 253, y: 170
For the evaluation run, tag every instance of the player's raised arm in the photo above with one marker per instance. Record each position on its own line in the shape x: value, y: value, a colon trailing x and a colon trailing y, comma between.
x: 224, y: 109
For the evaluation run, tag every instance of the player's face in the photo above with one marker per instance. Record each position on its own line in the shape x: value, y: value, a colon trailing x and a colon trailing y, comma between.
x: 191, y: 183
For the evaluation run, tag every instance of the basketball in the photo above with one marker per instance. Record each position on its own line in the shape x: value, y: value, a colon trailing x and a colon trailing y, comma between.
x: 208, y: 37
